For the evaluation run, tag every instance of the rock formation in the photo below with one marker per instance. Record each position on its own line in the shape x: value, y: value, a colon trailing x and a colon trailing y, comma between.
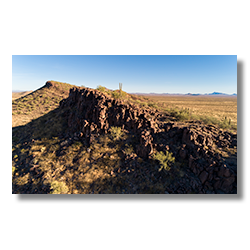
x: 92, y: 112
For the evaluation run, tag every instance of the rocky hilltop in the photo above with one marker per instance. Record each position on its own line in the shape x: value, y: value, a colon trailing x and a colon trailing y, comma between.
x: 37, y: 103
x: 201, y: 150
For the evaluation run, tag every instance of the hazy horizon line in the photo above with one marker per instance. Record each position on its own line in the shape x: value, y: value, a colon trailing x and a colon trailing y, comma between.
x: 157, y: 93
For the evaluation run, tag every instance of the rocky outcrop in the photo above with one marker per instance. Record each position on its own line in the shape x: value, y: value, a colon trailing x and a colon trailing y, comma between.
x: 94, y: 113
x: 199, y: 145
x: 59, y: 87
x: 195, y: 144
x: 145, y: 148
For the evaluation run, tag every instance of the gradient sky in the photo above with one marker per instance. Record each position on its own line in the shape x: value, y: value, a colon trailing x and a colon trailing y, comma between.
x: 145, y: 74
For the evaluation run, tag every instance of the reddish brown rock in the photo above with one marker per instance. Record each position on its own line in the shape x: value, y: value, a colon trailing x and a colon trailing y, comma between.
x: 189, y: 137
x: 227, y: 172
x: 203, y: 176
x: 223, y: 170
x: 146, y: 147
x: 217, y: 184
x: 227, y: 184
x: 183, y: 152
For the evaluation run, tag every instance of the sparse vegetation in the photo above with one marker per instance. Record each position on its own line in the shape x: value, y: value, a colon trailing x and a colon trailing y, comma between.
x: 210, y: 110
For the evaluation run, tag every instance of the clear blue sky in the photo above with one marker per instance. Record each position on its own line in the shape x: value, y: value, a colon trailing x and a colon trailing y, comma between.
x: 145, y: 74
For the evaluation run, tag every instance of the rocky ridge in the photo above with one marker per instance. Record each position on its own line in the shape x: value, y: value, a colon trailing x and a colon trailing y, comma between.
x: 195, y: 145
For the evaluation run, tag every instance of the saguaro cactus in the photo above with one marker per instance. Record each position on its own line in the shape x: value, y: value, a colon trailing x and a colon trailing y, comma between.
x: 120, y: 88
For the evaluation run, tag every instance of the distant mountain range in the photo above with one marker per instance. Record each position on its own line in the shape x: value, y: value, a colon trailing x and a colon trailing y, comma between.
x: 18, y: 91
x: 188, y: 94
x: 218, y: 93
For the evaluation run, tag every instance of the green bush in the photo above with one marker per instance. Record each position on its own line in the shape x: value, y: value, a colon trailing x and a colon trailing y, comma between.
x: 58, y: 188
x: 164, y: 160
x: 116, y: 133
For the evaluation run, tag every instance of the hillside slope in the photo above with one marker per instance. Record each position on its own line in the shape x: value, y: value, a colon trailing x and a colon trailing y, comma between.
x: 39, y: 102
x: 94, y: 143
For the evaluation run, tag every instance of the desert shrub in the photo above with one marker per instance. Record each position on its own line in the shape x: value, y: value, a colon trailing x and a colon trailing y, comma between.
x: 153, y: 105
x: 122, y: 94
x: 164, y: 160
x: 116, y: 133
x: 115, y: 94
x: 143, y: 104
x: 128, y: 149
x: 101, y: 88
x: 226, y: 123
x: 209, y: 120
x: 119, y: 94
x: 58, y: 188
x: 181, y: 114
